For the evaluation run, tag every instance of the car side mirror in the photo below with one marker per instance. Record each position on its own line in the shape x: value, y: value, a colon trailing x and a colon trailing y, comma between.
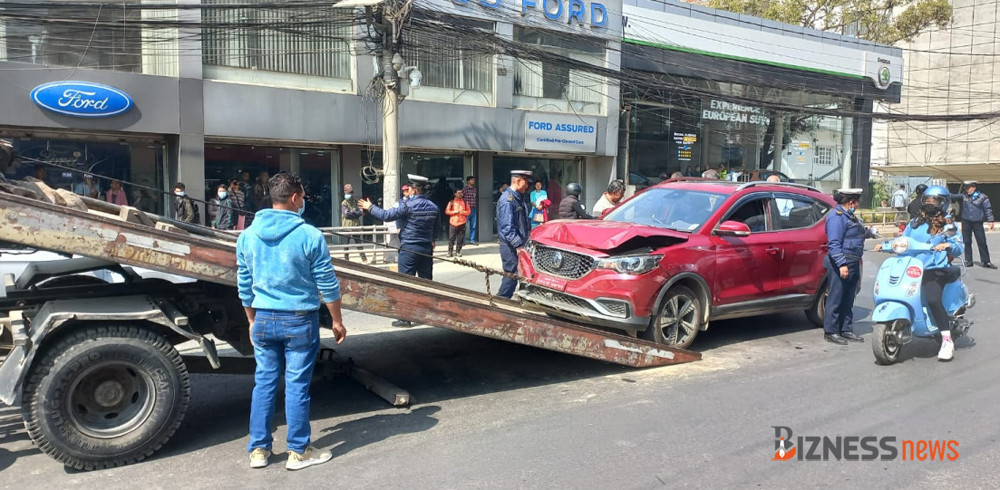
x: 733, y: 228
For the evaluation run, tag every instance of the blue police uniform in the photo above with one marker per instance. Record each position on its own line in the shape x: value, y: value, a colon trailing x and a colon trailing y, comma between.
x: 417, y: 219
x: 976, y: 209
x: 845, y: 235
x: 513, y: 228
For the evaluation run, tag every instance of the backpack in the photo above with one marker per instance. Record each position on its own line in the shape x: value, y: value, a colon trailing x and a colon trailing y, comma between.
x: 197, y: 214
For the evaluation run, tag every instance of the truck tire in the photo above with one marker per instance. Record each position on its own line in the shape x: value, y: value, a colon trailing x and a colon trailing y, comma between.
x: 105, y: 396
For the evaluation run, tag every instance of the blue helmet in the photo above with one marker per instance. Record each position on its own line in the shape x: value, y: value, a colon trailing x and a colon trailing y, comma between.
x: 938, y: 196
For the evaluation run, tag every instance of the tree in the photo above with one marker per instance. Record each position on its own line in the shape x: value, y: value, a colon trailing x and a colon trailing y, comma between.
x: 882, y: 21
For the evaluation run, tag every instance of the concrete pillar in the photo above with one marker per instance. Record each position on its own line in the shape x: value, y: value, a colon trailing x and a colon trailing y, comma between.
x: 350, y: 166
x: 503, y: 92
x: 484, y: 183
x: 597, y: 173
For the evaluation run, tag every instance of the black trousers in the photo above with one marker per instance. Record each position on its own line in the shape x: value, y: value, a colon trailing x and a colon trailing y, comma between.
x: 456, y: 234
x: 932, y: 286
x: 976, y: 227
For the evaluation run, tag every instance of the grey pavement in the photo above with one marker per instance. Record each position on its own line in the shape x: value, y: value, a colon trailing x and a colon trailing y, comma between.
x: 489, y: 414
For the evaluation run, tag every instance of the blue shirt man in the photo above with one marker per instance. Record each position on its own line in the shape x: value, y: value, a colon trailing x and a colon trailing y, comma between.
x: 845, y: 235
x: 418, y: 219
x: 284, y: 273
x: 512, y: 226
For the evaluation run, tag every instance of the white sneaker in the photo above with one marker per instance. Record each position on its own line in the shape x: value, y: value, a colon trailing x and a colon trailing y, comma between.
x: 947, y: 351
x: 311, y: 456
x: 259, y: 457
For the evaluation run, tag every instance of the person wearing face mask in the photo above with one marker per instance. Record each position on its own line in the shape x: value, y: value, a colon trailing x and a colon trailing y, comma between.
x: 350, y: 215
x: 845, y: 235
x: 284, y: 276
x: 184, y: 209
x: 225, y: 216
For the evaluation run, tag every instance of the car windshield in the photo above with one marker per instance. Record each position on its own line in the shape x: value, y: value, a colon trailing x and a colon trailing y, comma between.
x: 669, y: 207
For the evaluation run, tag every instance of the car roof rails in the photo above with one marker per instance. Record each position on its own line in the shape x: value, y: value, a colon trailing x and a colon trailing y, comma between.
x: 781, y: 184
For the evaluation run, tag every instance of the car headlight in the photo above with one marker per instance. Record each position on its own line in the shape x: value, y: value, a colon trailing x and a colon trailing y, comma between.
x: 529, y: 247
x: 900, y: 245
x: 630, y: 264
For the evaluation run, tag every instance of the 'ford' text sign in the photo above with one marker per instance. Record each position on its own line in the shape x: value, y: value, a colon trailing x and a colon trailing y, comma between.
x: 81, y: 99
x: 560, y: 132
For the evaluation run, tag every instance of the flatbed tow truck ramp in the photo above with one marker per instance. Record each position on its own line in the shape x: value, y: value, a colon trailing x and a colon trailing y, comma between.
x: 94, y: 364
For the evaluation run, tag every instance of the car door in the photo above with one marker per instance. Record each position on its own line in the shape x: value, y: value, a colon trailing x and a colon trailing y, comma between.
x: 800, y: 231
x: 747, y: 268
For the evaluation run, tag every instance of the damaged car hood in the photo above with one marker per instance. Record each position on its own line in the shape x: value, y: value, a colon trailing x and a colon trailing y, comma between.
x: 608, y: 236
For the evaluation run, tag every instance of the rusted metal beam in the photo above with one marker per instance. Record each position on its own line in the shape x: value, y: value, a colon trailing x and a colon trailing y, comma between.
x: 367, y: 289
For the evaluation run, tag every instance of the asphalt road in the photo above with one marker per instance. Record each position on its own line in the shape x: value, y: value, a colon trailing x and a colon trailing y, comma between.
x: 488, y: 414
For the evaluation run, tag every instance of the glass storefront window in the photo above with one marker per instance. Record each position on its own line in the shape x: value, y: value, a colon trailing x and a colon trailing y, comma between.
x: 550, y: 86
x: 553, y: 173
x: 88, y: 168
x: 690, y: 134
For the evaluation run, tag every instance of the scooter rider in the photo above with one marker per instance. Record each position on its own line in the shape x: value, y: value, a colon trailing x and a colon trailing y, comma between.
x: 938, y: 271
x: 845, y: 245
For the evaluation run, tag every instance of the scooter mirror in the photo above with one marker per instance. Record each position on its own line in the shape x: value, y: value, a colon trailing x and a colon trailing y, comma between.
x: 950, y: 229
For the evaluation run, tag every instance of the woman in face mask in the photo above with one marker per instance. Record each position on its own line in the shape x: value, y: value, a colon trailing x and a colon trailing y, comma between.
x: 225, y: 214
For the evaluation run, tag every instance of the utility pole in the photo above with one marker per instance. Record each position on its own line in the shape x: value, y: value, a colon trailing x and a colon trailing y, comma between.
x: 390, y: 109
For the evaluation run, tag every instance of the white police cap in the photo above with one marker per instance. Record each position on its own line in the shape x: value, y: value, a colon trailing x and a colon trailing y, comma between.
x: 417, y: 179
x: 524, y: 174
x: 853, y: 191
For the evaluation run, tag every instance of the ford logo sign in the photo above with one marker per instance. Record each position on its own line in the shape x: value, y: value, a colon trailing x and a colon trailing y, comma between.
x: 81, y: 99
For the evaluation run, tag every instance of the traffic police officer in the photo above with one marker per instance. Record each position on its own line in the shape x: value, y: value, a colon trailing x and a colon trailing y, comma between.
x: 512, y: 226
x: 976, y: 209
x: 845, y: 235
x: 417, y: 218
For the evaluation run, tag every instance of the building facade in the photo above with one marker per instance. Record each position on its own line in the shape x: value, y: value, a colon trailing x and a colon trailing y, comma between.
x: 222, y: 89
x: 951, y: 71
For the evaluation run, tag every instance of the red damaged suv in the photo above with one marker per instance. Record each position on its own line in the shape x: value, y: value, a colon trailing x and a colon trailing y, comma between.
x: 668, y: 260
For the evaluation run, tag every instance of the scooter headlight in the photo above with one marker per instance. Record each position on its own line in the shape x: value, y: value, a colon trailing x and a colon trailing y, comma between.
x: 900, y: 245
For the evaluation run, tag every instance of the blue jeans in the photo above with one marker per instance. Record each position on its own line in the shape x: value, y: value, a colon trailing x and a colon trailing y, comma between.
x: 473, y: 220
x: 290, y: 340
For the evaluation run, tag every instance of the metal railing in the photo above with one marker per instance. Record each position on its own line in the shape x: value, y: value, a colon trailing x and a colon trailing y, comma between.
x: 372, y: 242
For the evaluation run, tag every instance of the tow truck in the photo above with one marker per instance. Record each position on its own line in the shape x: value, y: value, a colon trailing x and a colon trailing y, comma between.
x: 95, y: 366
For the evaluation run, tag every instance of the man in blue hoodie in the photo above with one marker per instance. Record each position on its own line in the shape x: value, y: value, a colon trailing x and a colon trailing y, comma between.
x: 284, y: 272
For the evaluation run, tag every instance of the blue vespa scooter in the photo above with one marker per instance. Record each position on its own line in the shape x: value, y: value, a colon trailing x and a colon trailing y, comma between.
x: 901, y: 310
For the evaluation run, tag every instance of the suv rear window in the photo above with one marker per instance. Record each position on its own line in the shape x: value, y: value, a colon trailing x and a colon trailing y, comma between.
x: 670, y: 208
x: 796, y: 211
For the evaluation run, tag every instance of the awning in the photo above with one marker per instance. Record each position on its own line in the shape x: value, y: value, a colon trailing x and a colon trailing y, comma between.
x: 951, y: 172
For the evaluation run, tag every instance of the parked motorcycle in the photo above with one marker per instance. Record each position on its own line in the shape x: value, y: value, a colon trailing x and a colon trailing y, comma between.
x: 901, y: 310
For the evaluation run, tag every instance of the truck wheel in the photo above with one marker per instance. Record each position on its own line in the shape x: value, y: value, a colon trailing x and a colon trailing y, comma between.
x: 886, y: 343
x: 105, y: 396
x: 817, y: 310
x: 679, y: 319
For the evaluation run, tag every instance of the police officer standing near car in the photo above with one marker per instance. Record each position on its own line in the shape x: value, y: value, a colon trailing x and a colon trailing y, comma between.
x: 512, y: 226
x: 976, y: 209
x: 418, y: 220
x: 845, y: 235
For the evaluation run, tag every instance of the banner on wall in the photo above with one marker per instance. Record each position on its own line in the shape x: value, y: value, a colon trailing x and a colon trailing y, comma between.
x: 560, y: 133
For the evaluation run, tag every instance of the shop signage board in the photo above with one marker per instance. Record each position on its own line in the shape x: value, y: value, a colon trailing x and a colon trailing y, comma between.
x: 560, y: 132
x: 81, y: 99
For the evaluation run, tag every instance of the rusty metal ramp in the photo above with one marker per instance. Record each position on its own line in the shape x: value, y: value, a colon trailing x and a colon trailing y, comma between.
x: 35, y: 216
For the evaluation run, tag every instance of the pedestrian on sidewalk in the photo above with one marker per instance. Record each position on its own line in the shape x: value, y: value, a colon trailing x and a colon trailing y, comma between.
x: 184, y: 209
x: 512, y: 226
x: 900, y: 199
x: 418, y: 220
x: 471, y: 196
x: 284, y: 273
x: 224, y: 216
x: 976, y: 209
x: 350, y: 215
x: 457, y: 212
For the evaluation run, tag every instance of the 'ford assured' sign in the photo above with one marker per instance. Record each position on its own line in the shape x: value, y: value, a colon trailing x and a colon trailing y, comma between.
x: 560, y: 132
x: 81, y: 99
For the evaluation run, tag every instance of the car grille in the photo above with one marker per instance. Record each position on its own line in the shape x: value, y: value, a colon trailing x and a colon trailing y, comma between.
x: 562, y: 263
x: 615, y: 307
x: 556, y: 299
